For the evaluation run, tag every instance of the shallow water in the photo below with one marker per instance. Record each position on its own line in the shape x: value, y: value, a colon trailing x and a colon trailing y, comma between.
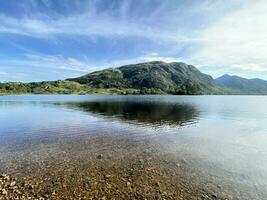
x: 219, y: 141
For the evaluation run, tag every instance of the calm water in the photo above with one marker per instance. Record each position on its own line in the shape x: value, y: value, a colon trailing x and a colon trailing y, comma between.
x: 224, y: 136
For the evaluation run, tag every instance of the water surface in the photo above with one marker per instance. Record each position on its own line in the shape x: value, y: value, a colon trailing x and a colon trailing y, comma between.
x: 219, y: 143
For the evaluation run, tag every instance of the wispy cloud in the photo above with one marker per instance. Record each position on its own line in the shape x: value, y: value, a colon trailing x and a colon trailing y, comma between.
x: 238, y: 41
x: 11, y: 77
x: 57, y: 61
x: 39, y: 67
x: 163, y: 21
x: 88, y: 25
x: 24, y: 26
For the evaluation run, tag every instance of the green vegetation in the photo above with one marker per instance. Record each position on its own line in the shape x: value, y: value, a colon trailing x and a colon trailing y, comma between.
x: 52, y: 87
x: 145, y: 78
x: 58, y: 87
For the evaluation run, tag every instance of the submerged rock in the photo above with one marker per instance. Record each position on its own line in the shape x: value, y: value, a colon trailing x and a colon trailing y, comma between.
x: 12, y: 184
x: 99, y: 157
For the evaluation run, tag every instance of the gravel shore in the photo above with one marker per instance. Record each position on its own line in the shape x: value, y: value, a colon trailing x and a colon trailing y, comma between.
x: 107, y: 168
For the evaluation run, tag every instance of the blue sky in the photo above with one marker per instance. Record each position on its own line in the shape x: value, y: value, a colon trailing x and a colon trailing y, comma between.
x: 51, y: 40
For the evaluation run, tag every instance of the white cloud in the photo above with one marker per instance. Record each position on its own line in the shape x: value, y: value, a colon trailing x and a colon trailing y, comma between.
x: 11, y: 77
x: 156, y: 57
x: 39, y: 67
x: 24, y: 26
x: 153, y: 56
x: 239, y: 40
x: 250, y: 66
x: 57, y: 61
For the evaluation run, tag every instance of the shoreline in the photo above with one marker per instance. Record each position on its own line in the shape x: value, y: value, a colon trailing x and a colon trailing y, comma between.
x: 119, y: 94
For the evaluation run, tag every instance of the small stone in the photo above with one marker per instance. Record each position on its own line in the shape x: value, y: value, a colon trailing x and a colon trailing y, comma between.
x: 204, y: 196
x: 4, y: 192
x: 12, y: 184
x: 128, y: 183
x: 108, y: 176
x: 109, y: 186
x: 31, y: 187
x: 5, y: 177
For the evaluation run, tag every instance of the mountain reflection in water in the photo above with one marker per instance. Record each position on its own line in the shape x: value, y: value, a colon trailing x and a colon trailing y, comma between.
x: 144, y: 113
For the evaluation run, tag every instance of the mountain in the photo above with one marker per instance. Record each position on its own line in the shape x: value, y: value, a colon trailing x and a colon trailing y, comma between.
x: 243, y: 85
x: 152, y: 77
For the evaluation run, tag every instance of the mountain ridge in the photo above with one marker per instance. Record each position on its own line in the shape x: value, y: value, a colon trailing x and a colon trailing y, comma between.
x: 244, y: 85
x: 174, y: 77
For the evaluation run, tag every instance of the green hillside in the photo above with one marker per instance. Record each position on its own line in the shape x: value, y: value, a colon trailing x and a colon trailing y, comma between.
x: 56, y: 87
x: 153, y: 77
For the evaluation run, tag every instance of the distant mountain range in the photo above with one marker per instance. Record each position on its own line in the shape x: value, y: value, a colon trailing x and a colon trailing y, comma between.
x: 243, y: 85
x: 144, y: 78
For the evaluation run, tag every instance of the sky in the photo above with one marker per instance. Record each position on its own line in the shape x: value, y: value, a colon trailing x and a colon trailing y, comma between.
x: 54, y: 40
